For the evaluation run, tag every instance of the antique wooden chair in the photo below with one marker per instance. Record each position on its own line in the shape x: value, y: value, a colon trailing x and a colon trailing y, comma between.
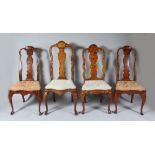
x: 127, y: 86
x: 94, y: 84
x: 61, y: 85
x: 28, y: 86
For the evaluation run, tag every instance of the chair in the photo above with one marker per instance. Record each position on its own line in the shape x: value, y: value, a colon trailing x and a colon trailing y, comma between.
x: 127, y: 86
x: 61, y: 85
x: 94, y: 84
x: 28, y: 86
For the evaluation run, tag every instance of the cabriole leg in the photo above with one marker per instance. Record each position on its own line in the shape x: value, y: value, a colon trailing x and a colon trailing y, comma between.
x: 143, y: 97
x: 10, y: 95
x: 83, y: 95
x: 45, y: 98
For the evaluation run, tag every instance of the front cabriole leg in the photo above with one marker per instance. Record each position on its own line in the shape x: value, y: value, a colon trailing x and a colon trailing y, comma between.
x: 10, y: 95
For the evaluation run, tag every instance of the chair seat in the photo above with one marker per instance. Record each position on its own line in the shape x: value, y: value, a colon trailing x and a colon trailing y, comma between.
x: 26, y: 86
x: 129, y: 85
x: 96, y: 85
x: 61, y: 85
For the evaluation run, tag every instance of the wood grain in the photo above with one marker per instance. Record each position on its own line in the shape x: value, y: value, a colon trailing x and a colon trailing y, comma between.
x: 29, y: 77
x: 61, y: 45
x: 93, y: 58
x: 126, y: 75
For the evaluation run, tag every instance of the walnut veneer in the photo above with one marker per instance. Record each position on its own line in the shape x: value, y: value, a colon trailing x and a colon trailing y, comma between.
x: 28, y: 86
x: 61, y: 45
x: 126, y: 85
x: 93, y: 58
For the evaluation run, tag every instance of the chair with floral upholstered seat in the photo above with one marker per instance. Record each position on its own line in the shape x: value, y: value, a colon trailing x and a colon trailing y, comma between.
x: 28, y: 86
x: 94, y: 84
x: 127, y: 86
x: 61, y: 85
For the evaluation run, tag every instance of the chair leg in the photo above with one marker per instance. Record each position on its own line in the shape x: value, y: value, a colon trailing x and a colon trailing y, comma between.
x: 54, y: 98
x: 132, y: 96
x: 38, y: 94
x: 10, y: 95
x: 72, y: 98
x: 143, y: 97
x: 116, y: 101
x: 45, y: 98
x: 83, y: 96
x: 75, y: 97
x: 101, y: 98
x: 109, y: 104
x: 23, y: 98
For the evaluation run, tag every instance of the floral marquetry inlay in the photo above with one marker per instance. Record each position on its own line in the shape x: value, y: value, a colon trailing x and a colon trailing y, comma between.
x: 93, y: 58
x: 126, y: 59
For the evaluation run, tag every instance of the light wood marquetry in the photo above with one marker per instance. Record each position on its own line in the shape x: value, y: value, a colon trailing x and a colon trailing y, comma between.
x: 61, y: 45
x: 93, y: 58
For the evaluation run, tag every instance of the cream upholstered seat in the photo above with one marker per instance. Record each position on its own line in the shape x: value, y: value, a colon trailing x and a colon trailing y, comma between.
x: 129, y: 85
x: 26, y: 86
x: 96, y: 85
x: 61, y: 85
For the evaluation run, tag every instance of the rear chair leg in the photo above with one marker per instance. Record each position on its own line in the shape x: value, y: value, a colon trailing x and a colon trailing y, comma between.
x: 23, y: 98
x: 39, y: 101
x: 132, y: 96
x: 116, y: 101
x: 101, y: 98
x: 109, y: 104
x: 54, y: 98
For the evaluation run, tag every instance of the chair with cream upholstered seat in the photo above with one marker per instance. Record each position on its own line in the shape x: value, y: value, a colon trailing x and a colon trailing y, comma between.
x: 94, y: 84
x: 62, y: 84
x: 28, y: 86
x: 127, y: 86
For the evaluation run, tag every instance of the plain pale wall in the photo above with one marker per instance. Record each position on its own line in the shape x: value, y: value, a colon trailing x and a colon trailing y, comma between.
x: 11, y: 43
x: 145, y: 45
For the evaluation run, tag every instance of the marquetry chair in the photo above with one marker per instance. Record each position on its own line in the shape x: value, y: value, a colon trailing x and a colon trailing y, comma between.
x: 28, y: 86
x: 93, y: 84
x: 126, y: 85
x: 61, y: 85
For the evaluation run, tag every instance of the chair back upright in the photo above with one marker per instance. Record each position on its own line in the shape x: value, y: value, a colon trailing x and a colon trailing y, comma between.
x: 126, y: 51
x: 61, y: 45
x: 93, y: 58
x: 30, y: 51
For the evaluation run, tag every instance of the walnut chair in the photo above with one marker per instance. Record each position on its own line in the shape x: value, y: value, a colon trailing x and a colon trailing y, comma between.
x: 61, y: 85
x: 94, y: 84
x: 28, y: 86
x: 127, y: 86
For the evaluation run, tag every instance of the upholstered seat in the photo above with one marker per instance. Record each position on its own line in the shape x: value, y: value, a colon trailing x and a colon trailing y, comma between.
x: 61, y: 85
x: 96, y: 85
x: 124, y: 84
x: 26, y: 86
x: 129, y: 85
